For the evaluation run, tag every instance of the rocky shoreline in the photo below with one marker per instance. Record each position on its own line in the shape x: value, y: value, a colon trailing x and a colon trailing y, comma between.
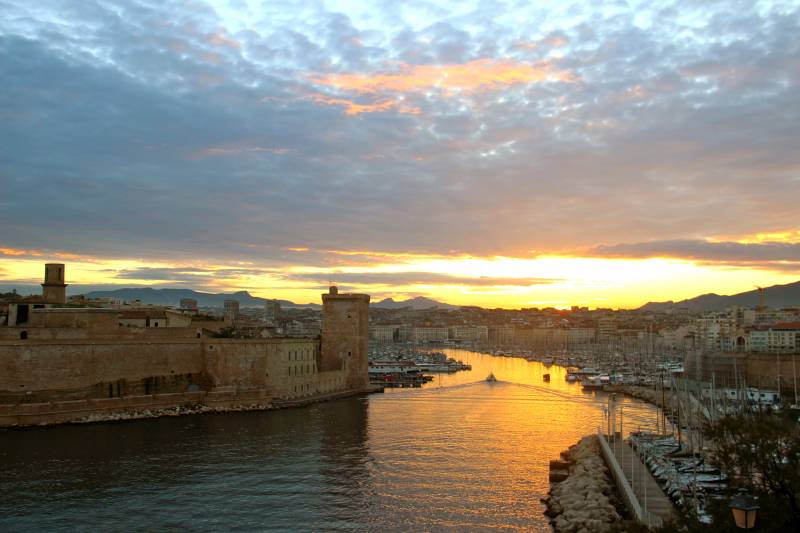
x: 201, y: 408
x: 586, y: 501
x: 180, y: 410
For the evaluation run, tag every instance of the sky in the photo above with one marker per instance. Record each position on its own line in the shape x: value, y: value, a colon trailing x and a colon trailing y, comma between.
x: 503, y: 154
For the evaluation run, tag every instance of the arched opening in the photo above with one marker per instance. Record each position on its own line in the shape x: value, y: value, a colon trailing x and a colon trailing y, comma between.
x: 23, y: 335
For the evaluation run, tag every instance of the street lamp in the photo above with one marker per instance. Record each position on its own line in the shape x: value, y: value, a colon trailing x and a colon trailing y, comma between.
x: 745, y: 508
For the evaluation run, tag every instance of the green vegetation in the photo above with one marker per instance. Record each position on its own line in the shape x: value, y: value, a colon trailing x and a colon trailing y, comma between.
x: 760, y: 452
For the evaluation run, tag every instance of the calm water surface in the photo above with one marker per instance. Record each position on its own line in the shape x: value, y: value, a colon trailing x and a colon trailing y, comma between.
x: 458, y: 454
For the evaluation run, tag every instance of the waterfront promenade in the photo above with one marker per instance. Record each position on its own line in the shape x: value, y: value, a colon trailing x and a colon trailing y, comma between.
x: 649, y: 504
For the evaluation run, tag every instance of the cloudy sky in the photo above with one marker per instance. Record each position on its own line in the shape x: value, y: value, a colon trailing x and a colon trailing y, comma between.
x: 496, y: 153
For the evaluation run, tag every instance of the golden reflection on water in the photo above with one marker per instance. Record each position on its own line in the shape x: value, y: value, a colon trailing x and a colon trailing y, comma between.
x: 461, y: 453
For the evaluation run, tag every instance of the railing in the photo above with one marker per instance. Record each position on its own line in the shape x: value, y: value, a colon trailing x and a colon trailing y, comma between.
x: 643, y: 516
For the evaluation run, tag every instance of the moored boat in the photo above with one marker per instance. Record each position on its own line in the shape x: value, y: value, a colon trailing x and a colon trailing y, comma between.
x: 592, y: 383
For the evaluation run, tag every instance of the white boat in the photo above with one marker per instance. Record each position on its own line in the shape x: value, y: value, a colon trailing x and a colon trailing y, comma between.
x: 593, y: 383
x: 490, y: 378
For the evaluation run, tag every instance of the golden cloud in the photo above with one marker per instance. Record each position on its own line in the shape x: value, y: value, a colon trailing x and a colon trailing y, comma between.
x: 353, y: 108
x: 473, y: 76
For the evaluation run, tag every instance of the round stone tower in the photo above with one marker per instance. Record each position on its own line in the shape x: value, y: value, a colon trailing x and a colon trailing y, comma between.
x: 54, y: 290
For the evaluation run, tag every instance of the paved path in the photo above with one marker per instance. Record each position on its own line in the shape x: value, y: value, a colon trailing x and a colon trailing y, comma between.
x: 647, y: 491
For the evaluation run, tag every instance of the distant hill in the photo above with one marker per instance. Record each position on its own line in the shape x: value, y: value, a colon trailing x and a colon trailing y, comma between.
x: 173, y: 297
x: 777, y: 296
x: 414, y: 303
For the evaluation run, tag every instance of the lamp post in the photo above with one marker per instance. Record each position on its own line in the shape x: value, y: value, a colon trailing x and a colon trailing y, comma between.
x: 745, y: 508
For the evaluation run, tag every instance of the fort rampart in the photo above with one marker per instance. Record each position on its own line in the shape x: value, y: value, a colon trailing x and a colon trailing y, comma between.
x: 55, y: 381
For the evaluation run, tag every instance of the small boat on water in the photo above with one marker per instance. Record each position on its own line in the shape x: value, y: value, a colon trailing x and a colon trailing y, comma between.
x: 546, y: 377
x: 490, y: 378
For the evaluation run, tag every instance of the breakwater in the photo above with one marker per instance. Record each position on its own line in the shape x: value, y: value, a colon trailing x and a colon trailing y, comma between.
x: 586, y: 500
x: 647, y: 394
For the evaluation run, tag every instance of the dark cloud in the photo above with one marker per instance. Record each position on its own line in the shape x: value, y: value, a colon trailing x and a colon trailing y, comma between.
x: 416, y: 278
x: 188, y: 275
x: 175, y: 131
x: 767, y: 255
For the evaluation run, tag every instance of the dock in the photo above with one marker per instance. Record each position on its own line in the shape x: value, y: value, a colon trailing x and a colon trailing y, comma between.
x: 641, y: 493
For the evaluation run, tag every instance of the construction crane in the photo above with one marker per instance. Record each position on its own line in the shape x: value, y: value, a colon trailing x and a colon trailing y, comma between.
x: 761, y: 297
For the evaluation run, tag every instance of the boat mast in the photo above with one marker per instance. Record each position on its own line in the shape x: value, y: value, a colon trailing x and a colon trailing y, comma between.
x: 794, y: 376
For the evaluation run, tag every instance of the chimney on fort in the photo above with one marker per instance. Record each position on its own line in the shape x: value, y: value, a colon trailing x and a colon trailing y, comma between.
x: 345, y: 336
x: 54, y: 289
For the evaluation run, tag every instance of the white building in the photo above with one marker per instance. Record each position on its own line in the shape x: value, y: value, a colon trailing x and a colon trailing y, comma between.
x: 777, y: 338
x: 422, y: 334
x: 469, y: 333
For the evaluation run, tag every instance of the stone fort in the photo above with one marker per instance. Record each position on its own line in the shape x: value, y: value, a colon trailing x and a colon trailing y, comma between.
x: 62, y: 363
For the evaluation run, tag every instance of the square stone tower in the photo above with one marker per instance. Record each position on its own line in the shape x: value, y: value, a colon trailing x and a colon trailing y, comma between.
x: 345, y: 336
x: 54, y: 290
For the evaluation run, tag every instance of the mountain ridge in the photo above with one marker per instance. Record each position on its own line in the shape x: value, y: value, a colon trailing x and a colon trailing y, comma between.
x: 149, y: 295
x: 776, y: 296
x: 418, y: 303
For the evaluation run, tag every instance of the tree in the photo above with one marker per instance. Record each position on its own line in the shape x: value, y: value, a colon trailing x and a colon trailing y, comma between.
x: 759, y: 450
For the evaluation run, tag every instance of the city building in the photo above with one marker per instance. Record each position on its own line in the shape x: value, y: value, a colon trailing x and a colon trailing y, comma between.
x: 776, y: 338
x: 272, y: 311
x: 426, y: 334
x: 188, y: 305
x: 231, y: 308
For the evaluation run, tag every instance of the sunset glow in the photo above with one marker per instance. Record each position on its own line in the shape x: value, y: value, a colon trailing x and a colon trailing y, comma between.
x: 543, y: 281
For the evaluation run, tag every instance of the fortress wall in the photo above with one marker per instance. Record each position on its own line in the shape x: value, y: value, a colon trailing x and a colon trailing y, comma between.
x: 64, y: 370
x: 236, y: 363
x: 763, y: 371
x: 66, y: 333
x: 56, y: 375
x: 755, y: 369
x: 74, y: 333
x: 32, y: 414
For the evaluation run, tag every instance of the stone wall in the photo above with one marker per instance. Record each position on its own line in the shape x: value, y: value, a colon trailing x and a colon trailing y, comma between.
x: 74, y: 333
x: 756, y: 370
x: 34, y: 371
x: 106, y: 374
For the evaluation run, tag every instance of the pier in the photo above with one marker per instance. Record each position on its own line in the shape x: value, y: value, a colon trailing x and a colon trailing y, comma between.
x: 639, y: 490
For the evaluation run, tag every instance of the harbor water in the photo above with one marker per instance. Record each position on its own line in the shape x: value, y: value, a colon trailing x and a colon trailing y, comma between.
x: 457, y: 454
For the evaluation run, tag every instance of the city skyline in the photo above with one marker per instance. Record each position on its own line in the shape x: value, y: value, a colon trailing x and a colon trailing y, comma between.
x: 494, y: 154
